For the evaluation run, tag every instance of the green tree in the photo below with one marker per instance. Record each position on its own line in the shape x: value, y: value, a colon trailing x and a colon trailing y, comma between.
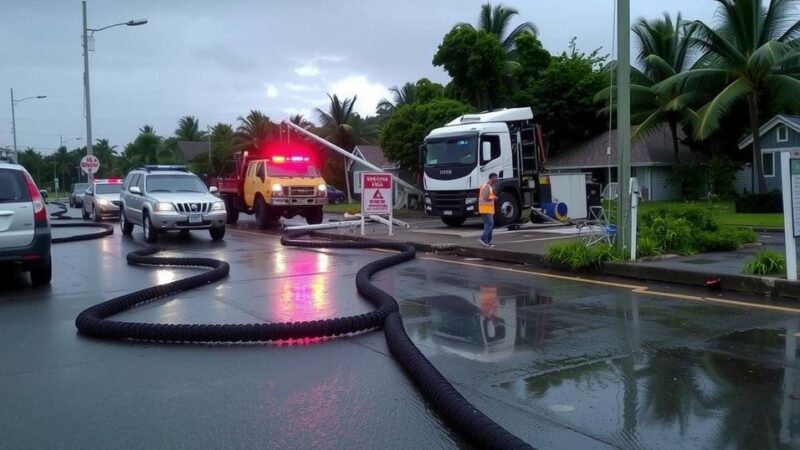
x: 497, y: 20
x: 223, y: 140
x: 107, y: 155
x: 562, y: 97
x: 147, y: 148
x: 189, y: 130
x: 301, y: 121
x: 400, y: 96
x: 405, y: 130
x: 476, y: 61
x: 532, y: 59
x: 254, y: 130
x: 753, y: 52
x: 33, y: 161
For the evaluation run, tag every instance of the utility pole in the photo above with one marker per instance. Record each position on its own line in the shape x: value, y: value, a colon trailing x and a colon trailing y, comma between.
x: 87, y: 100
x: 14, y: 127
x: 624, y: 123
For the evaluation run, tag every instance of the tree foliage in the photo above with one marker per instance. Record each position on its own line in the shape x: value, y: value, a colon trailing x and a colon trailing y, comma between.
x: 406, y: 129
x: 189, y: 130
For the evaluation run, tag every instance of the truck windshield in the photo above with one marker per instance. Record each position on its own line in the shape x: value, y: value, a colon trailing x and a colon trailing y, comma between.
x: 292, y: 170
x: 175, y: 183
x: 450, y: 151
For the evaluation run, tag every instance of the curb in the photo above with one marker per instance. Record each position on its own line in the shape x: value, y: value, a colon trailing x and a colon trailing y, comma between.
x: 774, y: 287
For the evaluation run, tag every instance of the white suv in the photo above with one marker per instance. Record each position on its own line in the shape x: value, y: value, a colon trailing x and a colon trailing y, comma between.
x: 165, y: 198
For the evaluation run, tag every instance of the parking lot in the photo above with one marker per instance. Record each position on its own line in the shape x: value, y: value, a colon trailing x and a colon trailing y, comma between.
x: 561, y: 362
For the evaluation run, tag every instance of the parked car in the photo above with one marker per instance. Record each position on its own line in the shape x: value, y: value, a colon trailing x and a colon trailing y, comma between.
x: 167, y: 198
x: 335, y: 196
x: 76, y: 196
x: 101, y: 199
x: 24, y: 226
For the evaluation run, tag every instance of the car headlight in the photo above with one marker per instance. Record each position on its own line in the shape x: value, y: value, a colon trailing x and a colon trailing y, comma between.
x: 218, y: 206
x: 322, y: 187
x: 161, y: 206
x: 277, y: 189
x: 103, y: 202
x: 471, y: 200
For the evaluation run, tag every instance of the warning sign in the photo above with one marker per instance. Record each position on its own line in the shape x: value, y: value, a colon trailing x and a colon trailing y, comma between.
x: 90, y: 164
x: 376, y: 193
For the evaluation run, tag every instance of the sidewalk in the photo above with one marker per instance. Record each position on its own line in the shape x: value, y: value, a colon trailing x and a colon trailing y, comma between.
x: 528, y: 246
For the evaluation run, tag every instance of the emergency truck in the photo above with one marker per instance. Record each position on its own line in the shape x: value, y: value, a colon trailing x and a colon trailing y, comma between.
x: 278, y: 180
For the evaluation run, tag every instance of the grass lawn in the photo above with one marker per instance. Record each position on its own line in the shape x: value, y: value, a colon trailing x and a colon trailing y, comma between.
x: 726, y: 214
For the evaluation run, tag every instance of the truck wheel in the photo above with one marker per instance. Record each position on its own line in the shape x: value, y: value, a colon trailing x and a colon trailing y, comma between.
x: 262, y: 214
x: 314, y: 216
x: 508, y: 210
x: 233, y: 212
x: 451, y: 221
x: 217, y: 233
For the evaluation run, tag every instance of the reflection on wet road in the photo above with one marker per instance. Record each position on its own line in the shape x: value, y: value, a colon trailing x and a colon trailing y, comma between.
x: 625, y: 369
x: 563, y: 364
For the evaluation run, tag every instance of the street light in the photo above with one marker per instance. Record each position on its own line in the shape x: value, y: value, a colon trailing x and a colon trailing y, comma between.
x: 14, y: 103
x: 88, y: 101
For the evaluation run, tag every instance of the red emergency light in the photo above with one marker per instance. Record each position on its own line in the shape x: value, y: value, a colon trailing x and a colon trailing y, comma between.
x: 108, y: 180
x: 283, y: 159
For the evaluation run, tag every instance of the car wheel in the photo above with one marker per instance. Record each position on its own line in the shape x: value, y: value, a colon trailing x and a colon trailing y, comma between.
x: 41, y: 275
x: 71, y: 203
x: 125, y: 226
x: 217, y: 233
x: 150, y: 233
x: 95, y: 217
x: 84, y: 214
x: 262, y: 214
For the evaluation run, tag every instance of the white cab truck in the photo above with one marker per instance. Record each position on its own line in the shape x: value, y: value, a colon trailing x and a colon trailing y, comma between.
x: 459, y: 157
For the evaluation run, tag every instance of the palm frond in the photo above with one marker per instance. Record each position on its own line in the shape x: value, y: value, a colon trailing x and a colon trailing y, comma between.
x: 714, y: 111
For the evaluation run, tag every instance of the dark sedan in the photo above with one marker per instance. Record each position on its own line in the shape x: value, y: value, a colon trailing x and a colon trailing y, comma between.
x: 76, y: 196
x: 335, y: 196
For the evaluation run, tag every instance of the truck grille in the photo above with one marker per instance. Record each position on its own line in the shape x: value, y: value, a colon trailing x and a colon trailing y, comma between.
x: 301, y: 191
x: 192, y: 207
x: 449, y: 199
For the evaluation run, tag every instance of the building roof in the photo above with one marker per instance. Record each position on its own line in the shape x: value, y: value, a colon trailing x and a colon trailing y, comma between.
x: 653, y: 149
x: 792, y: 122
x: 374, y: 155
x: 190, y: 150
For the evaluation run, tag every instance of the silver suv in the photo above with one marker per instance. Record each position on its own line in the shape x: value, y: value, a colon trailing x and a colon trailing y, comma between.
x: 165, y: 198
x: 24, y: 226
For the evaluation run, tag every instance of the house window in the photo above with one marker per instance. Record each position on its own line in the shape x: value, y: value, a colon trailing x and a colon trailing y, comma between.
x: 768, y: 164
x: 783, y: 134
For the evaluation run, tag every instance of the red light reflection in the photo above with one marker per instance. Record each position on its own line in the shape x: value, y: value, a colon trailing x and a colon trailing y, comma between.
x: 303, y: 294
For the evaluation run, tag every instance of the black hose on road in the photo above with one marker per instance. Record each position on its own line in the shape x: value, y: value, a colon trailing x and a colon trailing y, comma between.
x: 475, y: 426
x: 106, y: 229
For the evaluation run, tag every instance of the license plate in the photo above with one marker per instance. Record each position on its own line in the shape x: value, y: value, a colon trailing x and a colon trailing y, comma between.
x: 448, y: 213
x: 196, y: 218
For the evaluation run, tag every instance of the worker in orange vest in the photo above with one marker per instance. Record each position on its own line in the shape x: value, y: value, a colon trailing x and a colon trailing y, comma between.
x: 486, y: 200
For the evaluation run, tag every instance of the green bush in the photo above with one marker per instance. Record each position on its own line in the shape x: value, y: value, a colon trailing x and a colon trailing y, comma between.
x: 580, y: 257
x: 766, y: 262
x: 725, y: 239
x: 671, y: 234
x: 647, y: 246
x: 759, y: 203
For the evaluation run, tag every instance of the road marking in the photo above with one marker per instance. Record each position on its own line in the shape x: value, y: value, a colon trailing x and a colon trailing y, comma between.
x: 636, y: 289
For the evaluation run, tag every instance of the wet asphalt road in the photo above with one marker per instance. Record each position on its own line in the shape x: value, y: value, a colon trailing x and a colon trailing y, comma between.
x: 561, y: 363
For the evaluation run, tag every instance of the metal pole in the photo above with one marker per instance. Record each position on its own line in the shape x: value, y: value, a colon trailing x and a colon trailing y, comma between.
x: 87, y: 96
x: 14, y: 127
x: 788, y: 222
x: 624, y: 122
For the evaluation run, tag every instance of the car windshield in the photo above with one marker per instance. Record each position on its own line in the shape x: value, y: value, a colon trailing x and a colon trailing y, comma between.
x: 79, y: 188
x: 455, y: 150
x: 175, y: 183
x: 292, y: 170
x: 107, y: 188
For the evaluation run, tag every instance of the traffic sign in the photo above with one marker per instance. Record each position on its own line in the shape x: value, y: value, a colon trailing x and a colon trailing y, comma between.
x: 90, y: 164
x: 376, y: 193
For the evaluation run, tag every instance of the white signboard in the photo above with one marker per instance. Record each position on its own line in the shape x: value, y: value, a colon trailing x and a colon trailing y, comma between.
x: 90, y: 164
x: 794, y: 173
x: 376, y: 193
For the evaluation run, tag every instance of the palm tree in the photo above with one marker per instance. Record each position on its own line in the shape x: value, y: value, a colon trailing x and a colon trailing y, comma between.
x: 189, y: 130
x: 403, y: 95
x: 253, y: 130
x: 342, y: 127
x: 301, y: 121
x: 107, y: 155
x: 753, y: 53
x: 147, y: 148
x: 496, y: 20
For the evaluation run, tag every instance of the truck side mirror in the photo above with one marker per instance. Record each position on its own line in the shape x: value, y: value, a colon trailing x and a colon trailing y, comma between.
x: 486, y: 151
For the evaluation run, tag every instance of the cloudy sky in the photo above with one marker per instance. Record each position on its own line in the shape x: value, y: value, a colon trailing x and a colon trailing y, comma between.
x: 218, y: 59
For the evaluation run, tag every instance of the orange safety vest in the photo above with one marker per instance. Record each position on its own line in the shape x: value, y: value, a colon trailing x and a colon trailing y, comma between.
x: 486, y: 206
